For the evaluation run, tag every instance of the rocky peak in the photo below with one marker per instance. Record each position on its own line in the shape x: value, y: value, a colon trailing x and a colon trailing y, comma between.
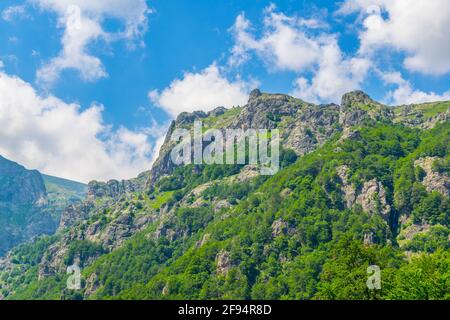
x: 303, y: 125
x: 24, y: 211
x: 19, y: 185
x: 254, y: 95
x: 8, y: 167
x: 357, y: 106
x: 189, y: 118
x: 356, y: 98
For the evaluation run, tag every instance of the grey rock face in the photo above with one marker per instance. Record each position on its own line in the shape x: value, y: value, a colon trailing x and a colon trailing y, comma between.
x: 348, y: 189
x: 372, y: 199
x: 368, y: 238
x: 357, y: 107
x: 223, y: 262
x: 303, y: 126
x: 75, y: 213
x: 356, y: 98
x: 112, y: 189
x: 433, y: 181
x: 23, y: 205
x: 20, y: 186
x: 279, y: 227
x: 415, y: 115
x: 263, y: 109
x: 254, y: 94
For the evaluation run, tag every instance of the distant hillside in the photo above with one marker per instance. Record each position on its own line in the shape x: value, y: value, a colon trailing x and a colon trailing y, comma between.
x: 23, y: 198
x: 64, y: 191
x: 31, y: 204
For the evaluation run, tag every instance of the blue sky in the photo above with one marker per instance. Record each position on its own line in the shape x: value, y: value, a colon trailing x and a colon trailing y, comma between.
x: 143, y: 62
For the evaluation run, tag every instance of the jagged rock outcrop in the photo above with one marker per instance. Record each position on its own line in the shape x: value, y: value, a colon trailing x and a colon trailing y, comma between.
x: 348, y: 189
x: 113, y: 188
x: 408, y: 233
x: 349, y: 134
x: 92, y: 284
x: 223, y: 262
x: 204, y: 240
x: 23, y: 205
x: 279, y: 227
x: 433, y: 181
x: 357, y: 107
x: 20, y: 186
x: 303, y: 126
x: 372, y: 199
x: 368, y: 238
x: 423, y: 116
x: 75, y: 213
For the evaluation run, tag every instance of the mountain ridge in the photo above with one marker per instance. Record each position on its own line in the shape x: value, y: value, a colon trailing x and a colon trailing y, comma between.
x: 361, y: 176
x: 27, y: 208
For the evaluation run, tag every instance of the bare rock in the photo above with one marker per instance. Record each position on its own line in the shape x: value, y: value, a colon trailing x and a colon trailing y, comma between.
x: 373, y: 199
x: 368, y: 238
x: 204, y: 240
x: 165, y: 291
x: 348, y: 189
x: 221, y: 204
x: 349, y: 134
x: 279, y: 228
x: 92, y: 284
x: 408, y: 233
x: 223, y: 262
x: 433, y: 181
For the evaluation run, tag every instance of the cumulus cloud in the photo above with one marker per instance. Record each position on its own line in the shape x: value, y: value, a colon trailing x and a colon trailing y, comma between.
x: 61, y: 139
x: 334, y: 76
x: 418, y: 28
x: 404, y: 93
x: 301, y: 46
x: 284, y: 43
x: 82, y: 23
x: 204, y: 90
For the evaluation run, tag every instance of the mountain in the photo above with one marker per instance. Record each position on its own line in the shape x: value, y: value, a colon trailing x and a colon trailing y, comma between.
x: 30, y: 204
x: 62, y: 192
x: 360, y: 184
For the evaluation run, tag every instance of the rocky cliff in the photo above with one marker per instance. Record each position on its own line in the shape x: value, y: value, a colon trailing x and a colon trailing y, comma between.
x: 20, y: 186
x: 304, y: 126
x: 27, y: 210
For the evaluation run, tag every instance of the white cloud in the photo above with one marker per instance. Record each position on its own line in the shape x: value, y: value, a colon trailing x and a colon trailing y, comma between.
x: 334, y: 76
x: 60, y: 139
x: 204, y: 90
x: 82, y: 22
x: 406, y: 94
x: 74, y: 53
x: 2, y: 65
x: 283, y: 45
x: 300, y: 45
x: 419, y: 28
x: 13, y: 12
